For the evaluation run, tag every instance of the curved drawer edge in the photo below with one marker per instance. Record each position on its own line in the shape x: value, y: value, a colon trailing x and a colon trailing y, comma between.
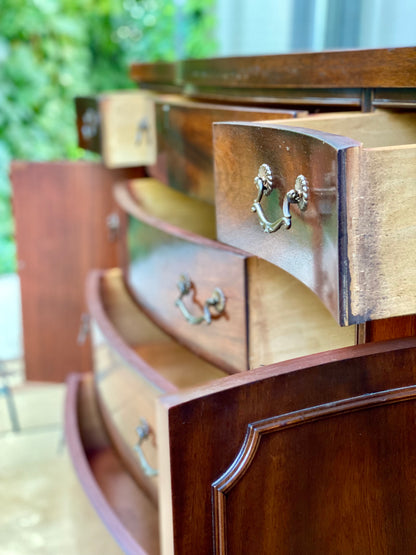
x: 97, y: 312
x: 129, y: 204
x: 83, y: 448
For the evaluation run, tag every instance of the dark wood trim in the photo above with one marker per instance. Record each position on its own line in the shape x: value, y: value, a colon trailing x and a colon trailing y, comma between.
x: 200, y: 418
x: 395, y: 67
x: 161, y: 73
x: 380, y: 67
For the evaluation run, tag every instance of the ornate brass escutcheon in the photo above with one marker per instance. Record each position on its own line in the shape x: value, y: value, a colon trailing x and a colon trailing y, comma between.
x: 217, y: 301
x: 299, y: 195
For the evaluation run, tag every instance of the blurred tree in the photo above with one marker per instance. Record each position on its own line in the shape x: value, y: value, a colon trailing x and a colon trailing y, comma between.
x: 53, y: 50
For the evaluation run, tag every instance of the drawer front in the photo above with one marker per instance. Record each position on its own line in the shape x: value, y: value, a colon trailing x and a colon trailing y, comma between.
x: 127, y: 402
x: 313, y: 249
x: 120, y: 126
x: 184, y: 131
x: 157, y: 260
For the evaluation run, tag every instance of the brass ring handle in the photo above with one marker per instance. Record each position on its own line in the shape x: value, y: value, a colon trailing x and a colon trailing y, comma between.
x: 299, y: 195
x: 217, y: 301
x: 143, y: 431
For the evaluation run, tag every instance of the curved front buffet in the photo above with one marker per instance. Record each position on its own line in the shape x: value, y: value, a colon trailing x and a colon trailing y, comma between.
x: 229, y: 397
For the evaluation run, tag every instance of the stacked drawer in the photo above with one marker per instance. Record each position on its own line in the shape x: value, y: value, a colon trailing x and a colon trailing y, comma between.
x: 135, y: 363
x: 329, y: 191
x: 268, y: 265
x: 236, y: 310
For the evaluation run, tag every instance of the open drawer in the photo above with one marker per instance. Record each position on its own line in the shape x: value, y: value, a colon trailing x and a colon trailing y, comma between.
x: 336, y: 196
x: 184, y: 139
x: 125, y: 509
x: 135, y: 363
x: 175, y: 269
x: 120, y: 126
x: 314, y: 455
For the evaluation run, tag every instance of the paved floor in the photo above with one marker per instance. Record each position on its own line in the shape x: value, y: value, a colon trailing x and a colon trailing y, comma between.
x: 43, y: 507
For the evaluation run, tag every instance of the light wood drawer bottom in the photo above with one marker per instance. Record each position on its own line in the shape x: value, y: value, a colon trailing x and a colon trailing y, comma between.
x: 134, y: 364
x: 128, y: 513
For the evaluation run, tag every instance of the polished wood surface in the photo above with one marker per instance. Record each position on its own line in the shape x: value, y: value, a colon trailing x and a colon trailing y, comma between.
x: 277, y: 305
x: 357, y: 479
x: 309, y: 250
x: 342, y: 246
x: 390, y: 328
x: 184, y: 127
x: 160, y: 73
x: 121, y: 126
x: 60, y: 211
x: 130, y: 516
x: 374, y: 511
x: 394, y: 67
x: 348, y: 79
x: 159, y: 253
x: 152, y: 353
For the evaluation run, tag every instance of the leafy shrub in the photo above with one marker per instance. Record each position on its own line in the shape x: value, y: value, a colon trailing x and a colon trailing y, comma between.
x: 53, y: 50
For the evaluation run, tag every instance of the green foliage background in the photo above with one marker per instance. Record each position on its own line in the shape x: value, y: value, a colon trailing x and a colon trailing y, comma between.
x: 53, y: 50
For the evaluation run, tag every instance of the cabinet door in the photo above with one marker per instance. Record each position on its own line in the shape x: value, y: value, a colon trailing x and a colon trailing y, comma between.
x: 315, y: 455
x: 61, y: 211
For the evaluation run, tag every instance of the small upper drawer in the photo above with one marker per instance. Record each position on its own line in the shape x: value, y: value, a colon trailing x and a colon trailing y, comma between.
x: 336, y: 196
x: 120, y: 126
x: 184, y: 137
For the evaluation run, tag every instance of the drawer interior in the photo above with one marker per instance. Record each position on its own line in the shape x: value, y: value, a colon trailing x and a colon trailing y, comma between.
x: 125, y: 509
x: 375, y: 129
x: 148, y: 198
x: 164, y: 357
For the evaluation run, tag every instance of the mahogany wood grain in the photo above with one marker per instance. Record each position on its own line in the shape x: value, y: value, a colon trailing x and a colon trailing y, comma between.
x: 394, y: 67
x: 390, y: 328
x: 359, y: 489
x: 345, y: 246
x: 310, y: 249
x: 357, y: 506
x: 162, y: 73
x: 160, y: 253
x: 60, y: 211
x: 317, y: 80
x: 151, y: 353
x: 128, y: 514
x: 184, y: 127
x: 276, y: 304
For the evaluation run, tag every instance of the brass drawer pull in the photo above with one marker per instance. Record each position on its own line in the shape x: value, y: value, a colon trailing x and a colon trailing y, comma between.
x: 217, y: 301
x: 143, y: 431
x: 299, y: 195
x: 143, y: 127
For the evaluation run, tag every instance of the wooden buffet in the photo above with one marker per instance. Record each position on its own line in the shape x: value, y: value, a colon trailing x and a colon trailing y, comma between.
x: 253, y: 385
